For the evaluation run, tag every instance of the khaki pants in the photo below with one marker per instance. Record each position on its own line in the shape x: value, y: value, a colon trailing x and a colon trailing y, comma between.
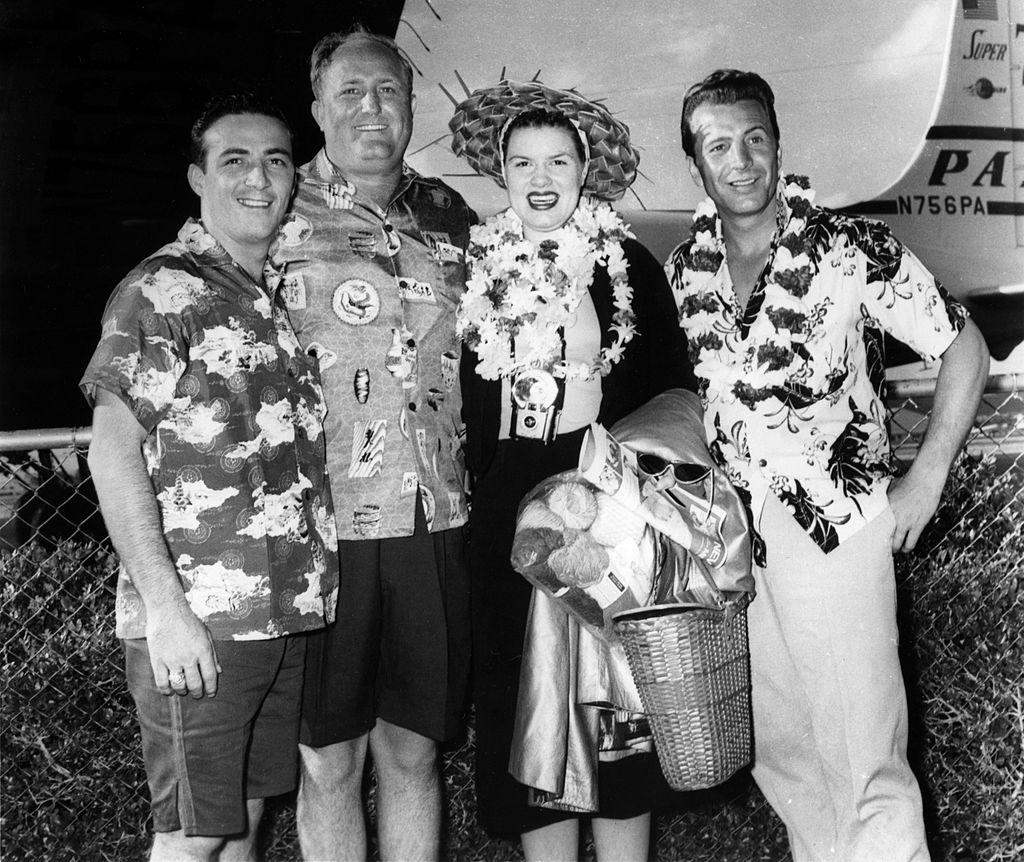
x: 830, y: 709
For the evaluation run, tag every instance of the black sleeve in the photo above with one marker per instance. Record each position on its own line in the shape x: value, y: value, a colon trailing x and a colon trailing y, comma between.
x: 664, y: 342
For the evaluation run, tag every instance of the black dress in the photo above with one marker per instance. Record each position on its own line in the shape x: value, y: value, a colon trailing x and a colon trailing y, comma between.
x: 504, y: 471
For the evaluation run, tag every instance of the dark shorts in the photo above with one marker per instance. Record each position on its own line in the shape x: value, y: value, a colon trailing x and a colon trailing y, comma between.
x: 399, y: 649
x: 205, y: 757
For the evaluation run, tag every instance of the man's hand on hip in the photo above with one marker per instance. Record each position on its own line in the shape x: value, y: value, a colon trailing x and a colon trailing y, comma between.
x: 914, y: 499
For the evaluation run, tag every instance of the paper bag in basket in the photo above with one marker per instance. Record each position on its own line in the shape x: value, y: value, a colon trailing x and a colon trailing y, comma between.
x: 586, y: 551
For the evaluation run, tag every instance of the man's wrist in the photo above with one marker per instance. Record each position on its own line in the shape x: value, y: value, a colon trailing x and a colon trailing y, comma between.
x: 168, y: 609
x: 928, y: 474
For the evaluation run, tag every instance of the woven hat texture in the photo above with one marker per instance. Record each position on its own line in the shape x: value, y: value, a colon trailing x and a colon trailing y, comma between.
x: 479, y: 119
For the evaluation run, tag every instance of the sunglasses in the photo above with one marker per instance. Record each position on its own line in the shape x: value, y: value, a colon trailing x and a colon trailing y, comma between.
x: 686, y: 484
x: 658, y: 468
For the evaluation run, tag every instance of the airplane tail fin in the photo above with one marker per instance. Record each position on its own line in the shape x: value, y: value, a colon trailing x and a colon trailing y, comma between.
x: 964, y: 187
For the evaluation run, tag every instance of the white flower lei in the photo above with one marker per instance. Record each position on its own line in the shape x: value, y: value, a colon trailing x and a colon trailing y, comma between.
x: 520, y: 294
x: 768, y: 357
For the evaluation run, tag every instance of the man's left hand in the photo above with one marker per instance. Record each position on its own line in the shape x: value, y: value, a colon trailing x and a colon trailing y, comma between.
x: 914, y: 498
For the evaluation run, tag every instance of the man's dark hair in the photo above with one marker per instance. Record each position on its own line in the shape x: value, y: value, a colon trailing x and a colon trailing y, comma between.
x: 226, y: 106
x: 542, y: 118
x: 726, y: 87
x: 324, y: 50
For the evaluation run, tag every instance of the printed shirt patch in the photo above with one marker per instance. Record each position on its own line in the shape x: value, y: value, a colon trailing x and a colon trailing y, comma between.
x: 337, y: 195
x: 295, y: 230
x: 293, y: 291
x: 356, y: 302
x: 366, y: 520
x: 429, y: 507
x: 367, y: 448
x: 324, y: 355
x: 363, y: 243
x: 410, y: 481
x: 441, y: 245
x: 410, y: 290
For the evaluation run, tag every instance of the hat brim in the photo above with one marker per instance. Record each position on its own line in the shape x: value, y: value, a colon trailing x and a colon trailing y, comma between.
x: 480, y: 118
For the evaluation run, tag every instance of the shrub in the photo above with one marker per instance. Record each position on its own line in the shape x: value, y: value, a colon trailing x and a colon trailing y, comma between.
x: 73, y: 786
x: 962, y: 609
x: 72, y: 782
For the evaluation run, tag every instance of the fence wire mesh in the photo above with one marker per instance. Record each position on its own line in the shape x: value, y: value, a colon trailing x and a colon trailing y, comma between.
x: 72, y: 781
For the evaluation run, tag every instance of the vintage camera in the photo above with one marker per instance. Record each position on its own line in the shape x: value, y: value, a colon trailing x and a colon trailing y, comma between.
x: 536, y: 405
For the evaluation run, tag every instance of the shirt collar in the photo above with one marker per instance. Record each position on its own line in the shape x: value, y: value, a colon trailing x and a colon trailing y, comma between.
x: 322, y: 169
x: 198, y: 241
x: 208, y: 252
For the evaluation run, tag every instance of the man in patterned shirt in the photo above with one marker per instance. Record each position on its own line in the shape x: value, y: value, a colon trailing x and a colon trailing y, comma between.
x: 209, y: 463
x: 783, y: 303
x: 373, y: 271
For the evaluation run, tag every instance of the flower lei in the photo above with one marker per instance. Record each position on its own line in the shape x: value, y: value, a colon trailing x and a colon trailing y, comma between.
x: 773, y: 355
x: 519, y: 295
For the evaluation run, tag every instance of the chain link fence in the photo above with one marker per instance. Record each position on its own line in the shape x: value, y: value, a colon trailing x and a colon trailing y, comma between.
x: 72, y: 782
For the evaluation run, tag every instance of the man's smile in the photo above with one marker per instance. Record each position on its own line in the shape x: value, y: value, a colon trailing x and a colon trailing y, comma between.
x: 254, y: 203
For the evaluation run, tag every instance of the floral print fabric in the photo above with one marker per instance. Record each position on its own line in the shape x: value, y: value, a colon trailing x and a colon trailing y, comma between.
x: 207, y: 362
x: 793, y: 393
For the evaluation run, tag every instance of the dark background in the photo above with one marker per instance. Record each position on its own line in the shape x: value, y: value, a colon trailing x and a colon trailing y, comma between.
x: 98, y: 98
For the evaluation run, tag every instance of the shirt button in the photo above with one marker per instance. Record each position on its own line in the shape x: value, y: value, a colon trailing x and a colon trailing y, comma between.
x: 762, y: 463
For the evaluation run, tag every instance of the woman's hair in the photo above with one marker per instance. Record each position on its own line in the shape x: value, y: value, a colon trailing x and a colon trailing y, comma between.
x: 726, y: 87
x: 542, y: 118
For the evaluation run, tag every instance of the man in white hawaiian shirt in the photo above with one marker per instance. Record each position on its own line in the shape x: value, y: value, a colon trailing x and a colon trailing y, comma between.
x: 374, y: 267
x: 209, y: 463
x: 783, y: 303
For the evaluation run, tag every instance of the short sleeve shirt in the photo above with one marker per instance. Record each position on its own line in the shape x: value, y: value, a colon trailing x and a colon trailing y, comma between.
x: 207, y: 362
x: 793, y: 389
x: 373, y: 294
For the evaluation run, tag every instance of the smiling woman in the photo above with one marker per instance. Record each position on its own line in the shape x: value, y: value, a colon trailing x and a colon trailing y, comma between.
x: 544, y: 169
x: 558, y: 290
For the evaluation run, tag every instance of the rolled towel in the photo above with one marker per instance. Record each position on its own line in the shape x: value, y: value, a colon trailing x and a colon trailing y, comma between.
x: 615, y: 523
x: 574, y: 503
x: 534, y: 545
x: 581, y: 563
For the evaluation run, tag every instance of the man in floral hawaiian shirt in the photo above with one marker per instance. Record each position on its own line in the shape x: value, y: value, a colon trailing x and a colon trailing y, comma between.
x: 373, y: 256
x: 209, y: 463
x: 783, y: 303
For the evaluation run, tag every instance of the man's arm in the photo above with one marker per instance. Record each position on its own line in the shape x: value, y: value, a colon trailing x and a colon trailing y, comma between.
x: 962, y: 375
x: 177, y: 639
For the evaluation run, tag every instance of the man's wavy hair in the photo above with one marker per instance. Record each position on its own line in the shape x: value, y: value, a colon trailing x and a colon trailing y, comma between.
x: 228, y: 105
x: 726, y: 87
x: 325, y: 48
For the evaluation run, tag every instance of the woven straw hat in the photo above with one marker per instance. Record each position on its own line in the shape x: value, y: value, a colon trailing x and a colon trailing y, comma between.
x: 480, y: 118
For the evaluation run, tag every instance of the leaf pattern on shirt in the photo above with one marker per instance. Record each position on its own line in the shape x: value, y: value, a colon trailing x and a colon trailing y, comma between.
x: 792, y: 377
x: 819, y: 526
x: 874, y: 354
x: 853, y: 463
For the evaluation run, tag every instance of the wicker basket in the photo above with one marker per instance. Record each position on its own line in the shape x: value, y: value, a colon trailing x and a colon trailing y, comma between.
x: 691, y: 666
